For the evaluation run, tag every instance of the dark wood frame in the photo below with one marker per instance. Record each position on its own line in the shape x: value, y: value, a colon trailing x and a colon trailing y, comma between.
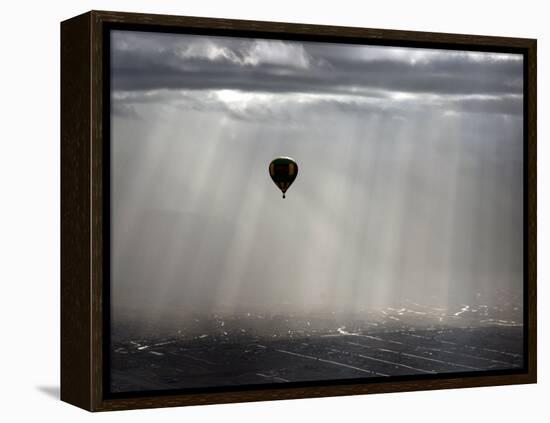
x: 85, y: 213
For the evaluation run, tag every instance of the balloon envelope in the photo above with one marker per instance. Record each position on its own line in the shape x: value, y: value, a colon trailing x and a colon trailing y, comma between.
x: 283, y: 171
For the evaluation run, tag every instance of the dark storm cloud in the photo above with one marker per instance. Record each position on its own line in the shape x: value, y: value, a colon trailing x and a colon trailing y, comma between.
x: 143, y: 61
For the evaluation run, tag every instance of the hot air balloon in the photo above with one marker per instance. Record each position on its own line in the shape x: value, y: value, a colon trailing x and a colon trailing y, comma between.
x: 283, y: 171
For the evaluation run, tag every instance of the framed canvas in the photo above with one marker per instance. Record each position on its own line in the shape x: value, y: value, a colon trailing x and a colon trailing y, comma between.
x: 259, y: 210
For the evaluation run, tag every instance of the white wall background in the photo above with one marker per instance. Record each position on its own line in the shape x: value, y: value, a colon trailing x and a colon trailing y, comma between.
x: 29, y: 216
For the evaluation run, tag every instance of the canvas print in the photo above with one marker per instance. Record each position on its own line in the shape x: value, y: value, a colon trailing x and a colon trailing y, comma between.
x: 288, y: 212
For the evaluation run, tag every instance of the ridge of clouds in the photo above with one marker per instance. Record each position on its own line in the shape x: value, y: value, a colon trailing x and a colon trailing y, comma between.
x: 181, y: 68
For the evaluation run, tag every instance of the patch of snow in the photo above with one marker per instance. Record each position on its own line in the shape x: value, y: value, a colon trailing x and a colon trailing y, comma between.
x: 464, y: 309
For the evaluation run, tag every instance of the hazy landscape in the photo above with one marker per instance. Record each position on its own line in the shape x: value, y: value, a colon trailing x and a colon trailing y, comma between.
x: 250, y: 348
x: 397, y: 250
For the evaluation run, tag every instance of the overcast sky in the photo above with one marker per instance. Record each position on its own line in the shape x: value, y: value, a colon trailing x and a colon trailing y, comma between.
x: 409, y: 185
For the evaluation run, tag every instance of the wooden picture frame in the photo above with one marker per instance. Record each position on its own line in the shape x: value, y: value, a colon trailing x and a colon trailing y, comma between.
x: 85, y: 219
